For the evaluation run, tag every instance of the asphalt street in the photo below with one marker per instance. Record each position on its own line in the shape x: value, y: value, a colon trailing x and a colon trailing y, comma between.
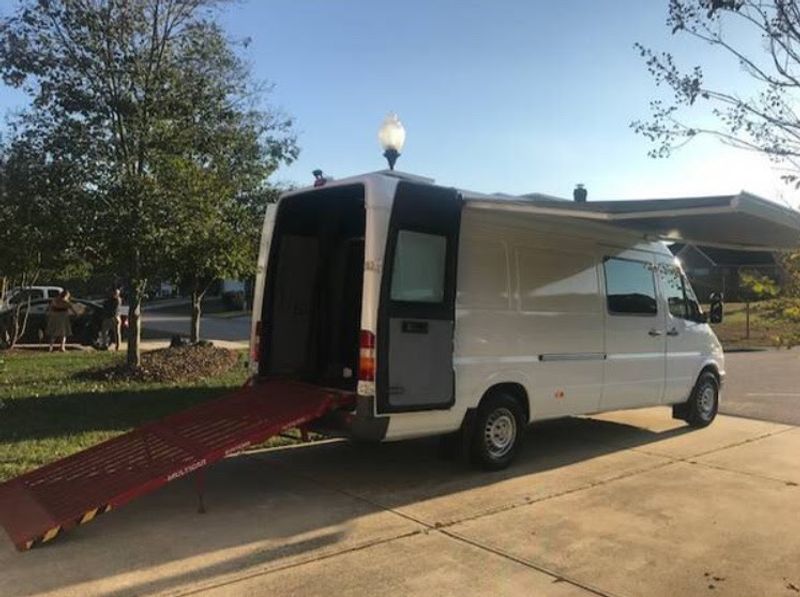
x: 211, y: 328
x: 763, y: 385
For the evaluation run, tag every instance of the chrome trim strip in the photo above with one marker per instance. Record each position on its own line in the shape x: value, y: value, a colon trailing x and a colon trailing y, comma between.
x: 492, y: 360
x: 573, y: 356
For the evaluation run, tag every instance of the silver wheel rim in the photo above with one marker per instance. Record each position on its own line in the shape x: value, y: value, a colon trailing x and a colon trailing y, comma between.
x: 500, y: 432
x: 705, y: 401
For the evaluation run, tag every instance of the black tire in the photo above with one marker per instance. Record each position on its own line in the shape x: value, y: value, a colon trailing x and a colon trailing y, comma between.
x: 496, y: 432
x: 703, y: 404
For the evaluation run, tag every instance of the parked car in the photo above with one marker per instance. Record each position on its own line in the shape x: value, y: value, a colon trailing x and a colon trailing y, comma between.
x: 86, y: 323
x: 22, y: 294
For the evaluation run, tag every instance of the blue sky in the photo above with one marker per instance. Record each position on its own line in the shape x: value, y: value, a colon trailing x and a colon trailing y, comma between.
x: 512, y: 96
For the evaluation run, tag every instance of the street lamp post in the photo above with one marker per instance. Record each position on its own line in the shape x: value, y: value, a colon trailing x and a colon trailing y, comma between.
x: 392, y: 137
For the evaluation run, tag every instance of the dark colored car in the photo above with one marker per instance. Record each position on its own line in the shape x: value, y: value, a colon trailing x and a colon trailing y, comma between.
x: 86, y: 324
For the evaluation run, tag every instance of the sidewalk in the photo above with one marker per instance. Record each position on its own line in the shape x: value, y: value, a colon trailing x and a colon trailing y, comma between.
x: 630, y: 503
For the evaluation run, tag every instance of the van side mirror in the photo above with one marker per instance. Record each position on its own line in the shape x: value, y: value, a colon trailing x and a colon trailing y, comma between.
x: 716, y: 308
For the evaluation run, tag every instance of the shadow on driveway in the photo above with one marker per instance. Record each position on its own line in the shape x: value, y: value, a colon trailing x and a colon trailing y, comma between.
x: 275, y: 508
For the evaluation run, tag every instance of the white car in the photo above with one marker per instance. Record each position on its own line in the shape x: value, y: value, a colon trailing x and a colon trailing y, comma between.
x: 23, y: 294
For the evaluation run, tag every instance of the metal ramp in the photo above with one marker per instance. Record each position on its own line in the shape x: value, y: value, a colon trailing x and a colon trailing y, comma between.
x: 39, y: 505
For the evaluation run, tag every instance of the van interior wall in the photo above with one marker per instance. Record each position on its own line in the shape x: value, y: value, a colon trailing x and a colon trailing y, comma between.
x: 312, y: 314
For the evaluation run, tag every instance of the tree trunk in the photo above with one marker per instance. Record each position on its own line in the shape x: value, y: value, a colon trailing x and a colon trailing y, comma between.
x: 15, y: 327
x: 135, y: 327
x: 197, y: 309
x: 20, y: 322
x: 747, y: 320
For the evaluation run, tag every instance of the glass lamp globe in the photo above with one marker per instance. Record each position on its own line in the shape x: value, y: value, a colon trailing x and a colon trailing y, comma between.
x: 392, y: 135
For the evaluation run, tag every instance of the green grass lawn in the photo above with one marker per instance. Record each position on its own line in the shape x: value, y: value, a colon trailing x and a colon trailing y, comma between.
x: 47, y: 411
x: 732, y: 332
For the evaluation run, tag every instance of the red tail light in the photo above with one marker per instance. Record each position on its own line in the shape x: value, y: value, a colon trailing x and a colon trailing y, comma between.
x: 366, y: 353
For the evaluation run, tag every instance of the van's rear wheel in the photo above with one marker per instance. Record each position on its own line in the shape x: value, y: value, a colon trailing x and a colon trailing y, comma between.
x: 496, y: 432
x: 701, y: 409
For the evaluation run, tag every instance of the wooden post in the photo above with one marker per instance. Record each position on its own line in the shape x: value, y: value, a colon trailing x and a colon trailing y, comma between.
x: 747, y: 320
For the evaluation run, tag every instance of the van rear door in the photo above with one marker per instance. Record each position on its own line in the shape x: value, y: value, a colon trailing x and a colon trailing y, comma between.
x: 416, y: 314
x: 258, y: 291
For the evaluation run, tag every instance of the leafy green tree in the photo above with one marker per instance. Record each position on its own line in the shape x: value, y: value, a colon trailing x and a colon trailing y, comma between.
x: 756, y: 287
x: 39, y: 203
x: 218, y: 232
x: 127, y: 88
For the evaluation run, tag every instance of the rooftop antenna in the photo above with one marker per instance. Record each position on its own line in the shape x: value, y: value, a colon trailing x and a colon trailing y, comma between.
x: 319, y: 178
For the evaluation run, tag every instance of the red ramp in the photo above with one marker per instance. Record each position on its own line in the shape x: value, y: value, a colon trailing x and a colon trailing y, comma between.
x: 37, y: 506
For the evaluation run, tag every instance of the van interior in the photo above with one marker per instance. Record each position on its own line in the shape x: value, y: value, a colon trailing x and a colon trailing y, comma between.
x: 312, y: 309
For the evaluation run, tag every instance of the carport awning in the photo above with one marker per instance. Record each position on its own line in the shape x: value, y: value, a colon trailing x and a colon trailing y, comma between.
x: 741, y: 221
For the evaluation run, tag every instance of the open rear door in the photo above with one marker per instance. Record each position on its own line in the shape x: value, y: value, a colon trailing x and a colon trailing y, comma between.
x: 416, y: 316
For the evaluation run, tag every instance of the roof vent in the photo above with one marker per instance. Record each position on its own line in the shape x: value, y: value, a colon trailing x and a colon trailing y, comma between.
x: 580, y: 193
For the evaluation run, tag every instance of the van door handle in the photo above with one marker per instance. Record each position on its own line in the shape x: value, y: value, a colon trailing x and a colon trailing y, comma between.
x: 655, y: 332
x: 672, y: 332
x: 414, y: 327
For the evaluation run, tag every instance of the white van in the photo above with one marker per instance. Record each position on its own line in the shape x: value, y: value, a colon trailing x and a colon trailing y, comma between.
x: 450, y: 312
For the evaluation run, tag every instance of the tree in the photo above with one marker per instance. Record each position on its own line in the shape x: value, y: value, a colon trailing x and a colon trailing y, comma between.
x: 756, y: 287
x: 218, y: 236
x: 39, y: 207
x: 767, y: 120
x: 218, y: 184
x: 129, y: 86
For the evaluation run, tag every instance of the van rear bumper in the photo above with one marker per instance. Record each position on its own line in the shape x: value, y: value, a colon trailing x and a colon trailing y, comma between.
x: 361, y: 424
x: 364, y: 425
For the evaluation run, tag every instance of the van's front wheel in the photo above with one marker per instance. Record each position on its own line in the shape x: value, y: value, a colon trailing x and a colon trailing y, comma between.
x: 496, y: 433
x: 701, y: 409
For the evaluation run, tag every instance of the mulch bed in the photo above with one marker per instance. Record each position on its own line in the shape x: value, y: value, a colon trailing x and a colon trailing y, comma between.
x: 181, y: 363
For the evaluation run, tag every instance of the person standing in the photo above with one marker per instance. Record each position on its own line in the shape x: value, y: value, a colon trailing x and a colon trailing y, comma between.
x: 111, y: 319
x: 59, y: 327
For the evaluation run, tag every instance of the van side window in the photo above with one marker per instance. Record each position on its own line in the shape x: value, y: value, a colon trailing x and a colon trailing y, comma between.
x: 674, y: 293
x: 419, y: 267
x: 630, y: 287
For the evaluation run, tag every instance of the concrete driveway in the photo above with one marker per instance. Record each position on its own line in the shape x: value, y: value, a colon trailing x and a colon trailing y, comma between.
x: 629, y: 503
